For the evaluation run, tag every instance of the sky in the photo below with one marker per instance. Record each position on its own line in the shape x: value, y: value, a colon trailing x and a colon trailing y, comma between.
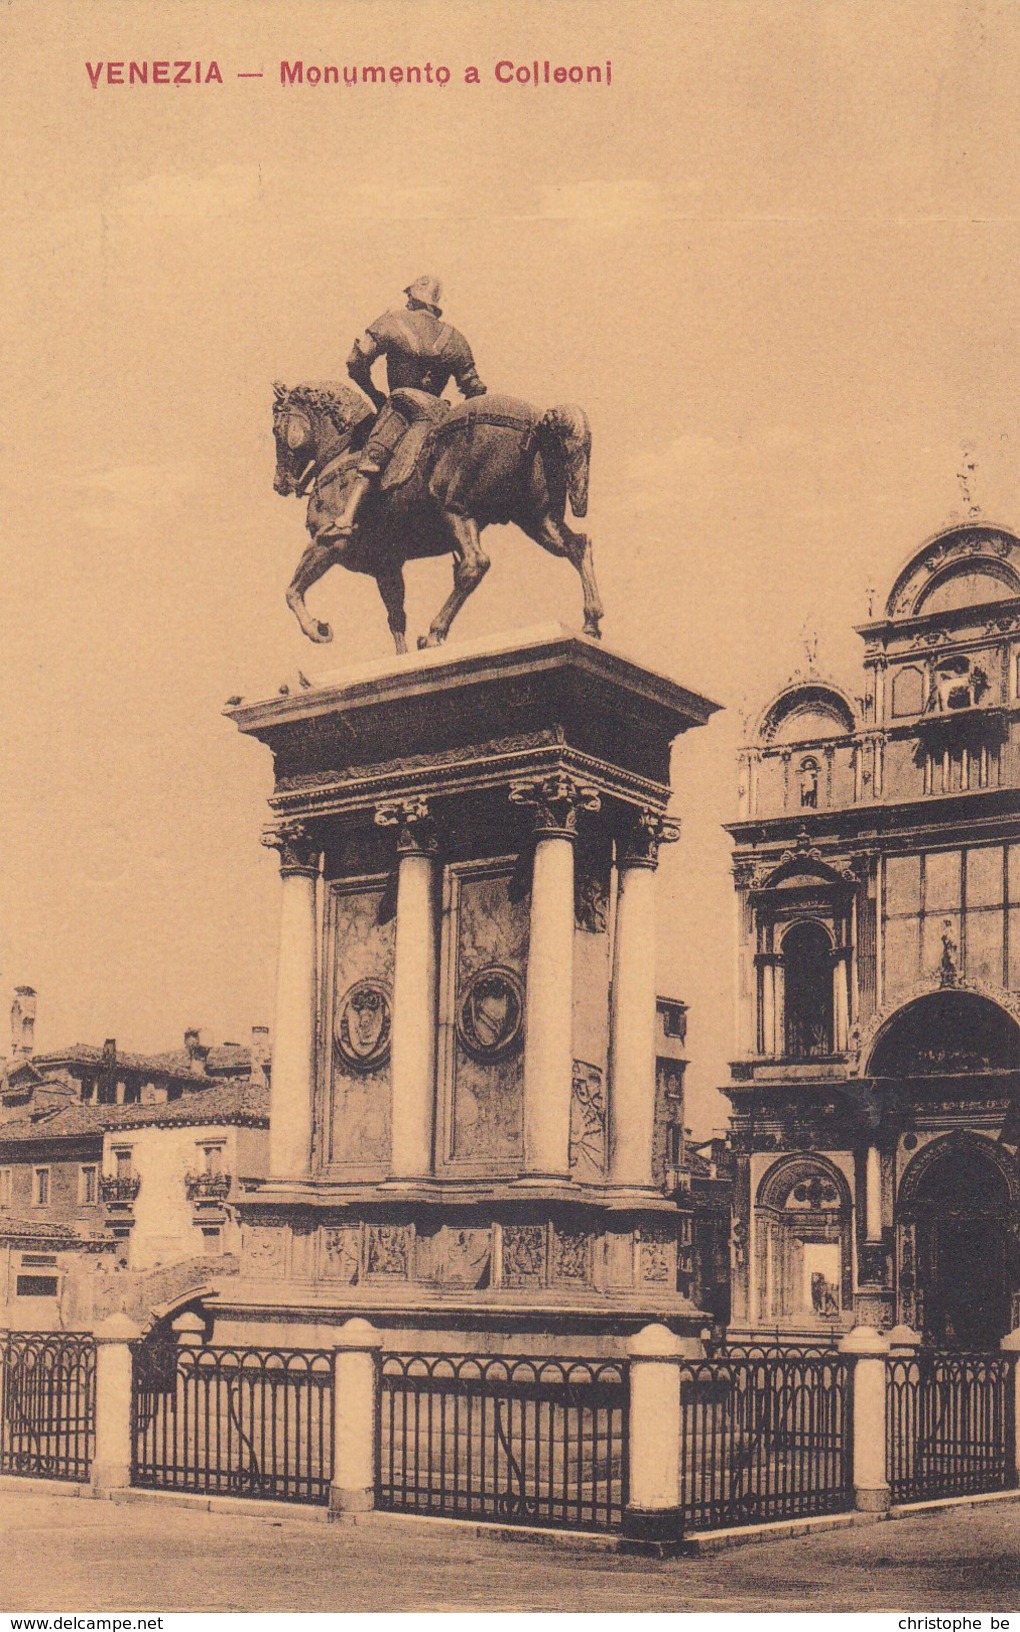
x: 775, y: 260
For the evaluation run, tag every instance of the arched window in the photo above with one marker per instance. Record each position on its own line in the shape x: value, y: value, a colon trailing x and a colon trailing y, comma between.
x: 809, y: 783
x: 807, y: 966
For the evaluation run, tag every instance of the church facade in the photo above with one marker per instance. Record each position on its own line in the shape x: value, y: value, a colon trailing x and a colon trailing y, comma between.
x: 877, y: 873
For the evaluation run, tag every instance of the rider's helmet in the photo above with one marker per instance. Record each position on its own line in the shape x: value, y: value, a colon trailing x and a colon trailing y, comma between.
x: 427, y: 290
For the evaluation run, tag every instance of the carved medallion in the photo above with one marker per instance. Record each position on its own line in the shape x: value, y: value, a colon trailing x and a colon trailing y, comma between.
x: 363, y: 1024
x: 490, y: 1015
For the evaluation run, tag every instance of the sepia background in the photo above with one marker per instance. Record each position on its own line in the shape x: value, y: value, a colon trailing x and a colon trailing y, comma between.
x: 775, y: 261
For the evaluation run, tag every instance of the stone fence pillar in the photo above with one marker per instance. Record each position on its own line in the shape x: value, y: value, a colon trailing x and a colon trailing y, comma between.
x: 869, y: 1351
x: 111, y: 1463
x: 653, y: 1512
x: 1011, y: 1345
x: 355, y: 1410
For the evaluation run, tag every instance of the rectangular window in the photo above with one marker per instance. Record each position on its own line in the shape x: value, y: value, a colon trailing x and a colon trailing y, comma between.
x: 984, y: 947
x: 122, y: 1159
x: 942, y: 881
x: 902, y: 884
x: 41, y: 1187
x: 984, y: 876
x: 901, y: 954
x: 211, y: 1157
x: 5, y: 1186
x: 36, y: 1286
x: 87, y: 1186
x: 211, y: 1242
x: 1014, y: 874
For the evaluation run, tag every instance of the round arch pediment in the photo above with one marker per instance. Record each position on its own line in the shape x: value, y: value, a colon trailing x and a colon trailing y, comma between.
x: 790, y: 1173
x: 942, y: 1031
x: 956, y: 1149
x: 807, y: 710
x: 969, y: 565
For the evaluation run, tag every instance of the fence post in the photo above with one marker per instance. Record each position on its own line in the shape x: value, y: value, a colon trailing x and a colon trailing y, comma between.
x: 355, y: 1410
x: 111, y: 1464
x: 869, y: 1350
x: 653, y: 1511
x: 1011, y: 1345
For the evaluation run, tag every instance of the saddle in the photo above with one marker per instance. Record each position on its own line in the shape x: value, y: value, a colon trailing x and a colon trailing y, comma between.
x: 429, y: 412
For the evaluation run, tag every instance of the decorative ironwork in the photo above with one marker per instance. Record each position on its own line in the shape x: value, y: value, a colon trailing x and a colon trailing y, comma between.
x: 765, y: 1437
x: 47, y: 1404
x: 207, y: 1186
x: 119, y: 1188
x: 950, y: 1425
x: 526, y: 1441
x: 238, y: 1422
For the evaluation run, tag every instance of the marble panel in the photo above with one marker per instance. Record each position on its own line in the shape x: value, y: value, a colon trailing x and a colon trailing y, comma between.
x: 487, y: 1103
x: 362, y: 988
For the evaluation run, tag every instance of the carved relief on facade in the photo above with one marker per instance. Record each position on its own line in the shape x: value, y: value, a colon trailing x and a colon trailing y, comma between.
x: 341, y: 1254
x: 487, y: 946
x: 591, y: 887
x: 572, y: 1254
x: 587, y: 1122
x: 263, y: 1251
x: 656, y: 1254
x: 462, y: 1257
x: 523, y: 1254
x: 388, y: 1250
x: 361, y: 950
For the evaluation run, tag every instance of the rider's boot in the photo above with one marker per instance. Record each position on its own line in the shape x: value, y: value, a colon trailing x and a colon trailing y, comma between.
x: 347, y: 521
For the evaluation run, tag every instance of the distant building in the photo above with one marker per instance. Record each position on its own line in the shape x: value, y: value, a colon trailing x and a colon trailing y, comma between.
x: 117, y: 1172
x: 877, y: 867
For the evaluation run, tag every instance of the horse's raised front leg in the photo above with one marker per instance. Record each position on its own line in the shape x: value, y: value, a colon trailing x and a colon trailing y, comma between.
x: 559, y: 539
x: 470, y: 565
x: 391, y: 588
x: 317, y: 559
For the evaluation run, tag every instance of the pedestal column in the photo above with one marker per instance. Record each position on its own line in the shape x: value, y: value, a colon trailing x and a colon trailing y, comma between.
x: 548, y: 1038
x: 632, y: 1013
x: 292, y: 1080
x: 413, y: 1057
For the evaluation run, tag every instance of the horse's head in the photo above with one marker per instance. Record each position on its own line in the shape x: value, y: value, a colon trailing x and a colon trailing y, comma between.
x: 295, y: 440
x: 310, y: 421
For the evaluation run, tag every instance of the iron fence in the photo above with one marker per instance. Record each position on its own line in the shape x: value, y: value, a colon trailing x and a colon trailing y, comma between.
x: 47, y: 1404
x: 523, y: 1441
x: 765, y: 1438
x: 950, y: 1425
x: 241, y: 1422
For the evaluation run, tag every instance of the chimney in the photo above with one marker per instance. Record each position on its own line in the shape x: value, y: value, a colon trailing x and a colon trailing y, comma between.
x: 261, y: 1053
x: 196, y: 1050
x: 23, y: 1022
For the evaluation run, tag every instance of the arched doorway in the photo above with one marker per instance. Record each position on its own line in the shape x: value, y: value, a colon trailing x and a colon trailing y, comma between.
x: 958, y: 1208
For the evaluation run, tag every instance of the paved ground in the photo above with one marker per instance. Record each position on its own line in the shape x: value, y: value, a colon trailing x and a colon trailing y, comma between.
x: 60, y: 1554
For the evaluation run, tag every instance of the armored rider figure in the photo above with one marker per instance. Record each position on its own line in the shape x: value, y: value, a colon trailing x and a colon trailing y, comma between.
x: 422, y: 355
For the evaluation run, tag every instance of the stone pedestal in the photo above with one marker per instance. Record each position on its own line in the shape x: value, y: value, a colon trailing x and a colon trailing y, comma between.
x: 462, y: 1114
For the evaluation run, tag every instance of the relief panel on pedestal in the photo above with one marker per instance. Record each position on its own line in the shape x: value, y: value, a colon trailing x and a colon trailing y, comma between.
x: 359, y: 1016
x: 485, y: 955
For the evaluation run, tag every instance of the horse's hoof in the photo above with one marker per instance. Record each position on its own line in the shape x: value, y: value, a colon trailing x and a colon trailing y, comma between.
x: 422, y: 643
x: 593, y: 630
x: 323, y: 633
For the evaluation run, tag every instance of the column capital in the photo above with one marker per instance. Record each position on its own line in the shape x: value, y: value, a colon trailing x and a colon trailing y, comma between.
x: 649, y: 829
x: 412, y: 818
x: 557, y: 801
x: 298, y: 848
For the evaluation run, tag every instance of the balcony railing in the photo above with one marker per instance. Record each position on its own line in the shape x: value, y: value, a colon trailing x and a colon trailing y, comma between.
x: 207, y: 1186
x: 119, y: 1187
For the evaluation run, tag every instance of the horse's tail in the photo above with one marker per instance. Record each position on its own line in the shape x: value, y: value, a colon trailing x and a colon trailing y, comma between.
x: 569, y: 425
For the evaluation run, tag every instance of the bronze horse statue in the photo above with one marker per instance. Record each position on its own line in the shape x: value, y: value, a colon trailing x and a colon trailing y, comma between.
x: 490, y: 459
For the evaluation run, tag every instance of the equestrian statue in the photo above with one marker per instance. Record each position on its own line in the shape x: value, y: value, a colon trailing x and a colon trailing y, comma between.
x: 411, y: 476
